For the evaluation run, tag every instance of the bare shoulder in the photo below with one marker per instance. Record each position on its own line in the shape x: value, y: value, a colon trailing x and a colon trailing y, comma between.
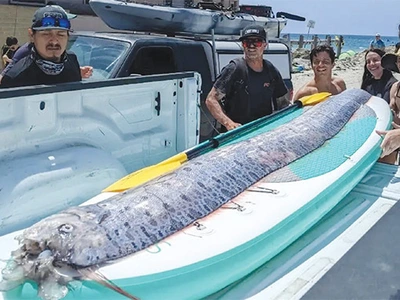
x: 394, y: 88
x: 306, y: 90
x: 339, y: 82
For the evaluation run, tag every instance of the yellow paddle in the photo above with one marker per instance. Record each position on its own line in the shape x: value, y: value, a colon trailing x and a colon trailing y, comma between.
x: 148, y: 173
x: 314, y: 99
x: 143, y: 175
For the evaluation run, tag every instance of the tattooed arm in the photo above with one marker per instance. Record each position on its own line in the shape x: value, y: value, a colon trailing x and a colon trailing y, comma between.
x: 213, y: 104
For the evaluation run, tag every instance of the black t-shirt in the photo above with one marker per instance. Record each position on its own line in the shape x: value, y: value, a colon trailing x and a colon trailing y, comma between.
x: 259, y: 90
x: 26, y: 73
x: 262, y: 88
x: 381, y: 87
x: 225, y: 79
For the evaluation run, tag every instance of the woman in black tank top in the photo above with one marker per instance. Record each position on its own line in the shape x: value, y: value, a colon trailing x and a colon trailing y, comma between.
x: 377, y: 80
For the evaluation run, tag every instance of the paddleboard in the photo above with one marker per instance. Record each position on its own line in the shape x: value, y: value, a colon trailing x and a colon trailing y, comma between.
x: 247, y: 231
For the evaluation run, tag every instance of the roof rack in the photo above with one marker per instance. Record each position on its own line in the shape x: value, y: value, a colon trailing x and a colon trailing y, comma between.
x: 192, y: 36
x: 217, y: 37
x: 195, y: 36
x: 210, y: 36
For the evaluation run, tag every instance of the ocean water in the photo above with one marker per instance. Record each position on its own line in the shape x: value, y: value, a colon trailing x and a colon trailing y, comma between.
x: 356, y: 43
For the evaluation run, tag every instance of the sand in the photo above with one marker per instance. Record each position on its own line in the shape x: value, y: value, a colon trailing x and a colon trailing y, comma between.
x: 350, y: 69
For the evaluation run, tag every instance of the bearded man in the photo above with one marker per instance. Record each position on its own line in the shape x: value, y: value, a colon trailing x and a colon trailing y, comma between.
x: 48, y: 62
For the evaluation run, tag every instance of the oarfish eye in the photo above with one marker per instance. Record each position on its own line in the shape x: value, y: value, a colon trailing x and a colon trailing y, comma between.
x: 65, y: 228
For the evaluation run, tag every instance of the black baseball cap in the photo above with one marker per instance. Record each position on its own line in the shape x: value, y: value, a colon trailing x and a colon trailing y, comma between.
x: 52, y: 11
x: 253, y: 31
x: 389, y: 61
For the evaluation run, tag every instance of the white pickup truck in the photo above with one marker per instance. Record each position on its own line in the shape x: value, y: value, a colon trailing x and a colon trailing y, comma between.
x: 68, y: 142
x: 122, y: 54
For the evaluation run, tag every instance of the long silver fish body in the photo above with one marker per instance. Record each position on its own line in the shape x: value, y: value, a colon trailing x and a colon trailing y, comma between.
x: 137, y: 218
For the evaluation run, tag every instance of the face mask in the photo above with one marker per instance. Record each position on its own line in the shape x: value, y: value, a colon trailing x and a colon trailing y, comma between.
x: 49, y: 67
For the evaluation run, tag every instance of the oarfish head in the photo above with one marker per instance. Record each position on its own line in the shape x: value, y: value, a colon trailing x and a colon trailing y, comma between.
x: 72, y: 237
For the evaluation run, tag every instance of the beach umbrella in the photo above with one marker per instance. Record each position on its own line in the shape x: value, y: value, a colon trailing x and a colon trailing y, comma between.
x: 351, y: 53
x: 344, y: 55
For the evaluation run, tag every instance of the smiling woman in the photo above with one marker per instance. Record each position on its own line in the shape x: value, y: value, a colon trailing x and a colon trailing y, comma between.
x: 377, y: 80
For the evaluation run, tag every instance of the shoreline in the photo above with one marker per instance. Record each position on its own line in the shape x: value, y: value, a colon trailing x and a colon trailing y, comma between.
x: 351, y: 42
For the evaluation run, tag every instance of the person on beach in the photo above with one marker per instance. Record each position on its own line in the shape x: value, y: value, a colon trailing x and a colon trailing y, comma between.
x: 322, y: 61
x: 8, y: 50
x: 391, y: 62
x: 48, y: 61
x: 248, y: 88
x: 391, y: 140
x: 397, y: 46
x: 25, y: 50
x: 377, y: 43
x: 376, y: 80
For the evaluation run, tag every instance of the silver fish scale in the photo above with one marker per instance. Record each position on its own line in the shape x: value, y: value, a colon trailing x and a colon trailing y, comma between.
x: 141, y: 216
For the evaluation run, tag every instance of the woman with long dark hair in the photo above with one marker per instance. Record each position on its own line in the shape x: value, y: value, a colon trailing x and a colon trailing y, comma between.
x: 376, y: 80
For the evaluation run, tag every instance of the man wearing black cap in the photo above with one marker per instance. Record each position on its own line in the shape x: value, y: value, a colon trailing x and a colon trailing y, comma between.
x: 48, y: 61
x: 247, y: 88
x: 25, y: 50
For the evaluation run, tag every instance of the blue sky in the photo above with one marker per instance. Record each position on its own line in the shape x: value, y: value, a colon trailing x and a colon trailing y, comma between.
x: 358, y: 17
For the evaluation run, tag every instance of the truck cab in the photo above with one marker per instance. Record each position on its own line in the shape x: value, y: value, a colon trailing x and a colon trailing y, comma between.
x: 121, y: 54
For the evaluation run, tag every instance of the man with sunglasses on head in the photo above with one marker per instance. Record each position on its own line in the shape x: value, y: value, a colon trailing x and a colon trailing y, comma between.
x: 247, y: 88
x: 25, y: 50
x: 48, y: 61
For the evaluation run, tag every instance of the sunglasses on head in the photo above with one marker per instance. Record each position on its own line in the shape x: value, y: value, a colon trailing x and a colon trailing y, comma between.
x: 255, y: 42
x: 53, y: 22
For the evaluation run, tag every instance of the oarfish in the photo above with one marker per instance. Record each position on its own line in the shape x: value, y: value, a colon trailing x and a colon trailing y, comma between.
x: 88, y: 236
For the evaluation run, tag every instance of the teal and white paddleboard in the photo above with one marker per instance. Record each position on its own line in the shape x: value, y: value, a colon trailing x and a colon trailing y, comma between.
x: 249, y: 230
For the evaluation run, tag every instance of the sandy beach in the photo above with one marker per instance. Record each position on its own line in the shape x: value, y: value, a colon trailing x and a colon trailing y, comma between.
x: 350, y: 69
